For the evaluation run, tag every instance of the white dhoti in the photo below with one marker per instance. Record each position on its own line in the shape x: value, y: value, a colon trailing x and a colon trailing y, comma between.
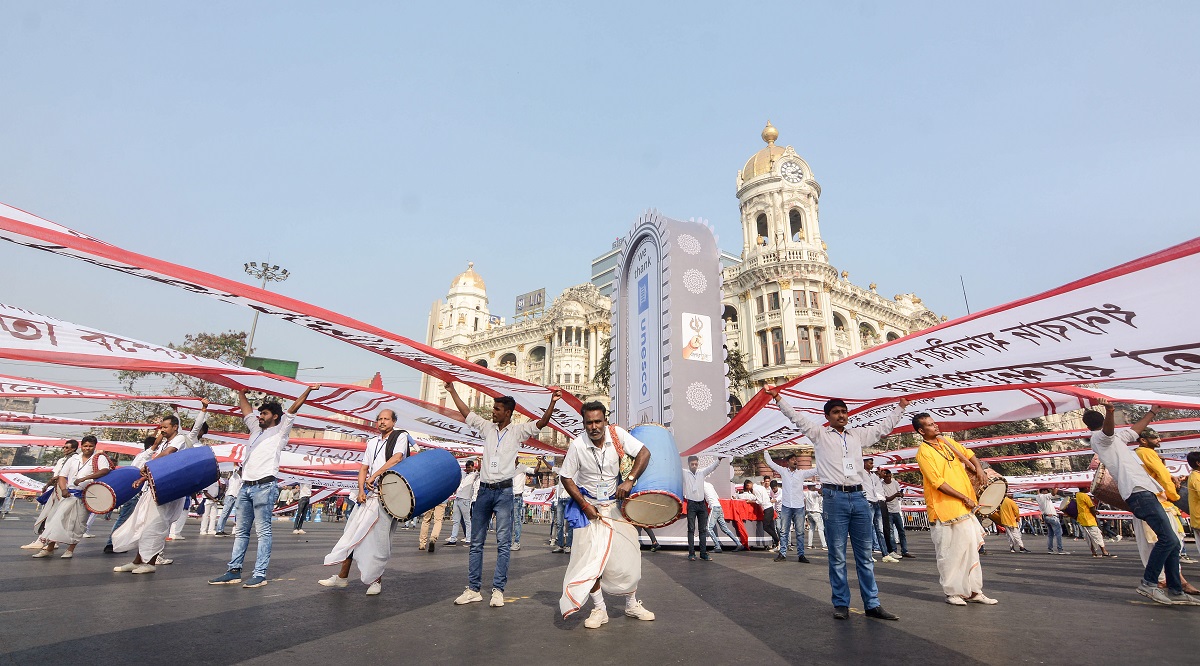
x: 147, y: 527
x: 368, y: 538
x: 607, y: 549
x: 957, y: 548
x: 68, y: 521
x: 39, y: 524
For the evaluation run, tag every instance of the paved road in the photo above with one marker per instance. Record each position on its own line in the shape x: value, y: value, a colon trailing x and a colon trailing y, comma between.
x: 738, y: 608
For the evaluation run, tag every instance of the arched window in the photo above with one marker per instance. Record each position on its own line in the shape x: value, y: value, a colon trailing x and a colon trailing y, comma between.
x: 892, y: 336
x: 735, y: 405
x: 868, y: 335
x: 729, y: 313
x: 796, y: 224
x: 482, y: 362
x: 761, y: 225
x: 838, y: 322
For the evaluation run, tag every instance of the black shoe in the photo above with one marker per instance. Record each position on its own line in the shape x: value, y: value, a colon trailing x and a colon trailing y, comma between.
x: 739, y: 548
x: 221, y: 534
x: 654, y: 547
x: 879, y: 614
x: 108, y: 550
x: 841, y: 612
x: 432, y: 545
x: 803, y: 559
x: 908, y: 555
x: 779, y: 558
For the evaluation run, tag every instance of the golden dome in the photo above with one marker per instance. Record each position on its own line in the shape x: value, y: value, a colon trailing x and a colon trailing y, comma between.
x: 764, y: 160
x: 468, y: 278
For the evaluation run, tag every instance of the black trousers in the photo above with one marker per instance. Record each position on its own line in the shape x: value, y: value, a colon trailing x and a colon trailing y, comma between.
x: 768, y: 522
x: 697, y: 518
x: 301, y: 509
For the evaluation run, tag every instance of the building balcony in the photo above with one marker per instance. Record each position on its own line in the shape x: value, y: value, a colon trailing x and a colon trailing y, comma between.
x: 509, y: 369
x: 580, y: 390
x: 809, y: 317
x: 570, y: 351
x: 535, y: 369
x: 766, y: 319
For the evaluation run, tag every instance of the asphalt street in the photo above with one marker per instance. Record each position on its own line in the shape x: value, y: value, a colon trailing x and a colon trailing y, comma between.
x: 738, y: 608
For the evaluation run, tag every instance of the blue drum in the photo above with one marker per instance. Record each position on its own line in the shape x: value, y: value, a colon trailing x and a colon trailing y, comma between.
x: 45, y: 496
x: 182, y: 473
x: 112, y: 490
x: 419, y: 483
x: 657, y: 497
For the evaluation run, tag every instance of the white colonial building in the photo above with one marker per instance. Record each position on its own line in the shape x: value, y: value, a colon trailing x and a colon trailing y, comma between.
x: 787, y: 309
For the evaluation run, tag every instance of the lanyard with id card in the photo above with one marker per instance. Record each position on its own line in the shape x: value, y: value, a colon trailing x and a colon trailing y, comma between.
x: 494, y: 464
x: 849, y: 467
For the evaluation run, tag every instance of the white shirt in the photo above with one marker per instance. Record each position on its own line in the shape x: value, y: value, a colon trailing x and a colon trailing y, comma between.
x: 70, y: 468
x: 791, y: 483
x: 178, y: 442
x: 233, y: 485
x: 265, y: 447
x: 213, y: 490
x: 776, y: 498
x: 873, y: 486
x: 306, y: 490
x: 711, y: 496
x: 758, y: 495
x: 595, y: 469
x: 376, y: 453
x: 1046, y: 505
x: 140, y: 460
x: 468, y: 487
x: 813, y: 502
x: 693, y: 483
x: 889, y: 489
x: 523, y: 471
x: 839, y: 455
x: 92, y: 465
x: 1122, y: 463
x: 500, y: 446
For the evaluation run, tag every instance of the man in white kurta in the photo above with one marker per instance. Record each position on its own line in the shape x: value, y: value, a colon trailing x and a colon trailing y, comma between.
x: 606, y: 554
x: 367, y: 538
x: 151, y: 523
x: 68, y: 523
x: 69, y: 448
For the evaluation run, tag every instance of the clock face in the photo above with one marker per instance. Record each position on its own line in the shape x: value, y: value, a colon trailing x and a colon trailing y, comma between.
x: 791, y: 172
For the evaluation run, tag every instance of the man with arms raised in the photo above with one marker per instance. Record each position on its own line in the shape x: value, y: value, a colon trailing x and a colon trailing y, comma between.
x: 501, y: 441
x: 368, y: 533
x: 839, y: 462
x: 607, y: 554
x: 792, y: 478
x: 697, y: 507
x: 950, y: 503
x: 269, y: 431
x: 69, y: 520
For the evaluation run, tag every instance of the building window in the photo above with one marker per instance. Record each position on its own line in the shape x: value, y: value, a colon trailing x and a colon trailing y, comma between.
x: 761, y: 225
x: 758, y: 301
x: 802, y: 340
x: 477, y: 323
x: 777, y: 346
x: 819, y: 344
x: 558, y: 379
x: 773, y: 301
x: 796, y: 222
x: 577, y: 379
x: 813, y: 302
x: 798, y: 298
x: 764, y: 352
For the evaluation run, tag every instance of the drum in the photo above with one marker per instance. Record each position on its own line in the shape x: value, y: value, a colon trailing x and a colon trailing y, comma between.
x: 1104, y: 487
x: 419, y: 483
x: 1071, y: 509
x: 657, y: 497
x: 986, y: 523
x: 182, y: 473
x: 112, y: 490
x: 991, y: 495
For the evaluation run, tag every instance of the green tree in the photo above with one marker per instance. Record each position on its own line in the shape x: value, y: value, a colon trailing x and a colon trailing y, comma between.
x: 737, y: 374
x: 1026, y: 427
x: 603, y: 374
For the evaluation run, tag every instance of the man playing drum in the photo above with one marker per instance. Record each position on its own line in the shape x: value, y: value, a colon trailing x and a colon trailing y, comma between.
x: 368, y: 533
x: 501, y: 441
x: 69, y: 520
x: 839, y: 462
x: 950, y: 503
x: 607, y: 554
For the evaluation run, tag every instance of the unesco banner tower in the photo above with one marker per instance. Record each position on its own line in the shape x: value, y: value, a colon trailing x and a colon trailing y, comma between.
x: 667, y: 366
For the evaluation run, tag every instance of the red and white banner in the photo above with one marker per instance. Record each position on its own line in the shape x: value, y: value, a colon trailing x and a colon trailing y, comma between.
x: 22, y: 482
x: 539, y: 496
x: 26, y: 229
x: 24, y: 418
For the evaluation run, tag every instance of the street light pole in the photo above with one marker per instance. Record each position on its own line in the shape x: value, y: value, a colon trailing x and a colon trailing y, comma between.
x: 268, y: 273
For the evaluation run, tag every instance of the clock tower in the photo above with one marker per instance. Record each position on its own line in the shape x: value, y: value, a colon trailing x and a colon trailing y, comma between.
x: 778, y: 196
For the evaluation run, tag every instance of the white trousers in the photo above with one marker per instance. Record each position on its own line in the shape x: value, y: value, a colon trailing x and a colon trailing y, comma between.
x: 147, y: 527
x: 208, y: 522
x: 1014, y: 536
x: 957, y: 548
x: 67, y: 523
x: 607, y: 549
x: 815, y: 523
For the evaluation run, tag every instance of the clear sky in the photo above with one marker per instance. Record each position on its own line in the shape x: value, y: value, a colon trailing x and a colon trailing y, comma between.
x: 375, y: 149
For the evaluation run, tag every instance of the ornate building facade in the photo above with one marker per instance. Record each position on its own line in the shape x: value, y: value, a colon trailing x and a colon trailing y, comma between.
x: 788, y: 310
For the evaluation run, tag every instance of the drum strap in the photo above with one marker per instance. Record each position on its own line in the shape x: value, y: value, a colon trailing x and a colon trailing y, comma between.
x: 390, y: 450
x: 624, y: 462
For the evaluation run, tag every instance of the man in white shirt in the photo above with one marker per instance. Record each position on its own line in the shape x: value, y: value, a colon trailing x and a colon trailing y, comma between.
x: 233, y: 485
x: 463, y: 498
x: 716, y: 518
x: 150, y: 523
x: 895, y: 516
x: 839, y: 463
x: 697, y: 507
x: 208, y: 520
x: 752, y: 492
x: 791, y: 503
x: 367, y: 538
x: 269, y: 431
x: 519, y: 483
x: 813, y: 516
x: 69, y: 520
x: 607, y: 554
x: 873, y: 487
x: 302, y: 508
x: 1140, y: 492
x: 1049, y: 509
x: 69, y: 448
x: 501, y: 441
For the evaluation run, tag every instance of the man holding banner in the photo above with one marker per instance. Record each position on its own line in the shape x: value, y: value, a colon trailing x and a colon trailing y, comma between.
x: 839, y: 462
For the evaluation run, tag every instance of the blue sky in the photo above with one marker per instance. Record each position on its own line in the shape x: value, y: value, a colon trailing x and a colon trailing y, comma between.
x: 374, y: 150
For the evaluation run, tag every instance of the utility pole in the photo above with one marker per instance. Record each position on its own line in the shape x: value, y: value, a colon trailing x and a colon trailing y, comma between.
x: 267, y: 273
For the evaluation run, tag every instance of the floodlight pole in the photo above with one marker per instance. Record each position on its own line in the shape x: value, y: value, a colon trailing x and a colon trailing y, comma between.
x: 268, y: 273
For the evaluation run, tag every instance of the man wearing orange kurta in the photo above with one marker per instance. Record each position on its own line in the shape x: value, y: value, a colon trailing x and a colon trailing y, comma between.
x: 1010, y: 517
x: 949, y: 502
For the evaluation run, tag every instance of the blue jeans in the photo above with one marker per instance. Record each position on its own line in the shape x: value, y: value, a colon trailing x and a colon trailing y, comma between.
x: 1053, y: 531
x: 565, y: 534
x: 518, y: 516
x: 496, y: 502
x: 254, y: 506
x: 1164, y: 558
x: 791, y: 517
x: 229, y: 504
x: 716, y: 518
x: 125, y: 511
x: 848, y: 515
x: 461, y: 517
x: 897, y: 520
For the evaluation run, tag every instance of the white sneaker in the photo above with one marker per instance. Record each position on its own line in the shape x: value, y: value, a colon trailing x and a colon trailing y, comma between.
x: 497, y: 598
x: 295, y: 531
x: 955, y: 600
x: 164, y: 560
x: 895, y: 556
x: 981, y: 598
x: 301, y: 532
x: 179, y: 538
x: 471, y: 596
x: 36, y: 545
x: 567, y: 549
x: 598, y: 618
x: 1154, y: 593
x: 638, y: 611
x: 334, y: 581
x: 516, y: 546
x: 889, y: 558
x: 88, y: 536
x: 126, y: 568
x: 68, y: 555
x: 374, y: 589
x: 45, y: 552
x: 144, y: 569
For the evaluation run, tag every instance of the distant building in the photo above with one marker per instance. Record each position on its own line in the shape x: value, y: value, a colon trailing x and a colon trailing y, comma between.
x: 26, y: 405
